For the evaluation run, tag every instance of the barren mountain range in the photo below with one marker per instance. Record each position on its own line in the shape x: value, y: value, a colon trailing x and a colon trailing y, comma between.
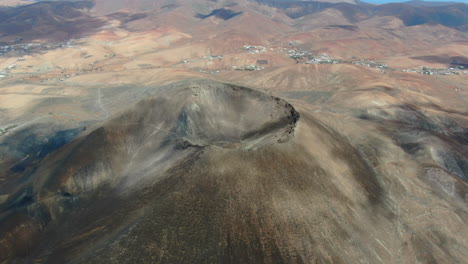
x: 218, y: 131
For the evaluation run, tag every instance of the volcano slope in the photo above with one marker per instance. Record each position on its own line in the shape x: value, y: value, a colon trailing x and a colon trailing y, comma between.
x: 208, y: 172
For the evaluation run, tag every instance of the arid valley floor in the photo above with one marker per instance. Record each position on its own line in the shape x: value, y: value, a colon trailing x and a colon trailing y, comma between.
x: 154, y: 131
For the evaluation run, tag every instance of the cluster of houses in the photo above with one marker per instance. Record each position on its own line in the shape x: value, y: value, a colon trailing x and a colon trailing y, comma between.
x: 19, y: 48
x: 213, y: 57
x: 370, y: 63
x: 323, y: 59
x: 447, y: 71
x: 24, y: 48
x: 252, y: 67
x: 254, y: 49
x: 307, y: 57
x: 299, y: 55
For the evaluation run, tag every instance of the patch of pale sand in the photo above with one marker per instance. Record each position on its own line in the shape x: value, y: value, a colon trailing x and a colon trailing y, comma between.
x: 94, y: 53
x: 134, y: 47
x: 303, y: 77
x: 386, y: 22
x: 29, y: 60
x: 49, y: 61
x: 40, y: 90
x: 5, y: 62
x: 23, y: 89
x: 364, y: 100
x: 136, y: 77
x: 17, y: 102
x: 169, y: 39
x: 148, y: 42
x: 77, y: 57
x: 109, y: 35
x: 239, y: 61
x: 399, y: 95
x: 18, y: 98
x: 168, y: 57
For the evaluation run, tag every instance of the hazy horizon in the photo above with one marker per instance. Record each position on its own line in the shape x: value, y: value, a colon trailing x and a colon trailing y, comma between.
x: 400, y: 1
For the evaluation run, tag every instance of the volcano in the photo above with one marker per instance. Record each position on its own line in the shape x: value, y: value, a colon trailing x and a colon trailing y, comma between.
x: 205, y: 171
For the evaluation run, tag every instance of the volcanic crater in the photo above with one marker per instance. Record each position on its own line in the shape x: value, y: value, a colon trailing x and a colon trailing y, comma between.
x: 233, y: 117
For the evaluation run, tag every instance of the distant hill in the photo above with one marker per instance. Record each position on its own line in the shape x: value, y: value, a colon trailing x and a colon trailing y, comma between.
x: 325, y: 1
x: 51, y: 20
x: 427, y: 3
x: 452, y: 15
x: 59, y: 20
